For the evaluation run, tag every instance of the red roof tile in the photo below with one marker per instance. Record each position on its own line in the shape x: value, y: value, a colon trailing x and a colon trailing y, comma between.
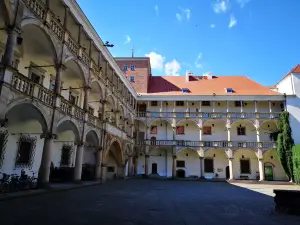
x: 172, y: 85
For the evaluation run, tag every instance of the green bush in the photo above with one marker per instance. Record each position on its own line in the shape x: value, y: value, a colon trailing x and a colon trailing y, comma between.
x: 296, y: 160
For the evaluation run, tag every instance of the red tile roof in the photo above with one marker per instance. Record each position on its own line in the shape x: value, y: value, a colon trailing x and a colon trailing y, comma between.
x: 172, y: 85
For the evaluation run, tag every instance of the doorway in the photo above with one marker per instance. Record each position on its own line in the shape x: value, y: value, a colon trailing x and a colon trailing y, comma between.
x: 269, y: 173
x: 154, y: 168
x: 227, y: 172
x: 180, y: 173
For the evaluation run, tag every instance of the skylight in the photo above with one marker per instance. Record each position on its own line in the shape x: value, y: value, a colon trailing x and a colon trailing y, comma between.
x: 228, y: 90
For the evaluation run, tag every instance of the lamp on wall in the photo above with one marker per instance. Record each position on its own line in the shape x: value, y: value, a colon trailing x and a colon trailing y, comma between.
x: 243, y: 156
x: 213, y: 125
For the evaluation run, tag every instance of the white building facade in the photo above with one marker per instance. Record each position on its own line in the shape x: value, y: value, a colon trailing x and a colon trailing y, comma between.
x: 65, y: 102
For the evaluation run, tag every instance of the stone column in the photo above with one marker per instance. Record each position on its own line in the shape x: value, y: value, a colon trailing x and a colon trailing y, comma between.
x: 201, y: 166
x: 98, y: 165
x: 10, y: 46
x: 130, y: 166
x: 231, y: 169
x: 174, y: 166
x: 78, y: 162
x: 146, y: 165
x: 58, y: 79
x: 261, y: 170
x: 136, y: 163
x: 44, y: 170
x: 103, y: 172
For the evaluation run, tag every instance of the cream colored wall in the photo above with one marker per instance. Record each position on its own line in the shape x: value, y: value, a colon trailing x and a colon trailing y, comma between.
x: 192, y: 162
x: 253, y: 164
x: 159, y: 157
x: 31, y: 128
x: 278, y: 172
x: 220, y: 163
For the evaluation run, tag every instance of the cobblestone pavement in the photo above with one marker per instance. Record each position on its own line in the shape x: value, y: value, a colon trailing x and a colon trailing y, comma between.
x: 143, y: 202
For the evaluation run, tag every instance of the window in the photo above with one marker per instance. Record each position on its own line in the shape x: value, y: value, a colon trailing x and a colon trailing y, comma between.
x: 125, y: 67
x: 111, y: 169
x: 238, y: 103
x: 132, y: 67
x: 179, y: 103
x: 35, y: 78
x: 65, y: 155
x: 131, y: 79
x: 73, y: 99
x: 205, y: 103
x: 245, y: 166
x: 154, y: 103
x: 26, y: 147
x: 207, y: 130
x: 185, y: 90
x: 180, y: 163
x: 91, y: 110
x: 241, y: 131
x: 180, y: 130
x: 208, y: 165
x: 153, y: 130
x: 228, y: 90
x: 52, y: 83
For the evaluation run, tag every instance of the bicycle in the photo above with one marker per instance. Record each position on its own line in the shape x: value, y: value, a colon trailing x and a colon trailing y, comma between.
x: 4, y: 183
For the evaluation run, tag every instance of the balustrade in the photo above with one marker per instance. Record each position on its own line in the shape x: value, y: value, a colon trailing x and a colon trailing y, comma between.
x: 65, y: 106
x: 85, y: 59
x: 22, y: 84
x: 78, y: 113
x: 72, y: 44
x: 45, y: 95
x: 37, y: 7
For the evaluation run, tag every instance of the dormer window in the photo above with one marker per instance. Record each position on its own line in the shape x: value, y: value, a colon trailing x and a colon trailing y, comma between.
x: 185, y: 90
x: 228, y: 90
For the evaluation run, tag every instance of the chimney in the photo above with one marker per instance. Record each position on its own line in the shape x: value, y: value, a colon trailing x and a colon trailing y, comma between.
x: 187, y: 75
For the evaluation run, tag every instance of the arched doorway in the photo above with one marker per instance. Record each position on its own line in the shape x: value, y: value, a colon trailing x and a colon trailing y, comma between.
x: 180, y: 173
x: 154, y: 168
x: 114, y: 162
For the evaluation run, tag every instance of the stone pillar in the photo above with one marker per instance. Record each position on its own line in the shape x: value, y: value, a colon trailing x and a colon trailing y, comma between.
x: 98, y: 165
x: 261, y: 170
x: 231, y: 169
x: 130, y: 166
x: 146, y: 165
x: 136, y: 163
x: 86, y: 97
x: 103, y: 172
x: 44, y: 170
x: 66, y: 16
x: 58, y: 79
x: 10, y: 46
x: 201, y: 166
x: 78, y: 162
x: 174, y: 166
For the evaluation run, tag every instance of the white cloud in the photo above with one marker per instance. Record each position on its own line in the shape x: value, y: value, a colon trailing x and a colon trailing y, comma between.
x: 185, y: 13
x: 221, y: 6
x: 212, y: 26
x: 156, y: 9
x: 242, y: 3
x: 232, y: 21
x: 178, y: 16
x: 198, y: 63
x: 172, y: 68
x: 128, y: 39
x: 156, y: 60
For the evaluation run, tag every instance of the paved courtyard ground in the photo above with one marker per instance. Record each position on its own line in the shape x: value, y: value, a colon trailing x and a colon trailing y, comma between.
x: 143, y: 202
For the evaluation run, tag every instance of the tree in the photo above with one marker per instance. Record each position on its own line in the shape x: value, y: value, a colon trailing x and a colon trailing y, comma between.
x: 285, y: 144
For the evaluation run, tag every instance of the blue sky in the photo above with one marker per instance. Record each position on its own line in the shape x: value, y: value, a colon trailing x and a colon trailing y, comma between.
x: 255, y: 38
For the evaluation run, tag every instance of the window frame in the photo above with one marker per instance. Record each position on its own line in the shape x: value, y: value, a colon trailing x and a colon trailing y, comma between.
x: 203, y: 103
x: 131, y: 79
x: 154, y: 103
x: 180, y: 103
x: 182, y: 162
x: 125, y: 68
x: 206, y: 127
x: 206, y: 169
x: 239, y: 131
x: 153, y: 127
x: 27, y: 139
x: 238, y: 103
x: 132, y: 67
x: 177, y: 130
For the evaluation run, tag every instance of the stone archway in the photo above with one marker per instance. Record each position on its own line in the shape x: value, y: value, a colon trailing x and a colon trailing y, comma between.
x: 24, y: 147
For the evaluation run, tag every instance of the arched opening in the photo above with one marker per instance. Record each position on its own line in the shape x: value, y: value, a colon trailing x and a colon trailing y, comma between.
x: 214, y: 130
x: 187, y: 130
x: 64, y: 152
x: 271, y: 160
x: 161, y: 129
x: 243, y: 131
x: 188, y: 160
x: 268, y: 131
x: 245, y: 165
x: 35, y: 55
x: 114, y: 159
x: 22, y: 145
x: 89, y: 155
x: 73, y: 82
x: 215, y: 164
x: 110, y: 110
x: 95, y: 97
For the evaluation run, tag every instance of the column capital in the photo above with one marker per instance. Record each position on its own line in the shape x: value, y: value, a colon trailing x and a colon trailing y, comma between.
x: 79, y: 143
x: 48, y: 136
x: 87, y: 88
x: 201, y: 157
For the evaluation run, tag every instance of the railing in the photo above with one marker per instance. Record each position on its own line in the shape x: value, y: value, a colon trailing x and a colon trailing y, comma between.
x: 37, y: 7
x: 22, y: 84
x: 85, y: 59
x: 65, y: 106
x: 78, y: 113
x: 45, y: 95
x: 94, y: 120
x: 212, y: 144
x: 209, y: 115
x: 56, y: 27
x: 71, y: 43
